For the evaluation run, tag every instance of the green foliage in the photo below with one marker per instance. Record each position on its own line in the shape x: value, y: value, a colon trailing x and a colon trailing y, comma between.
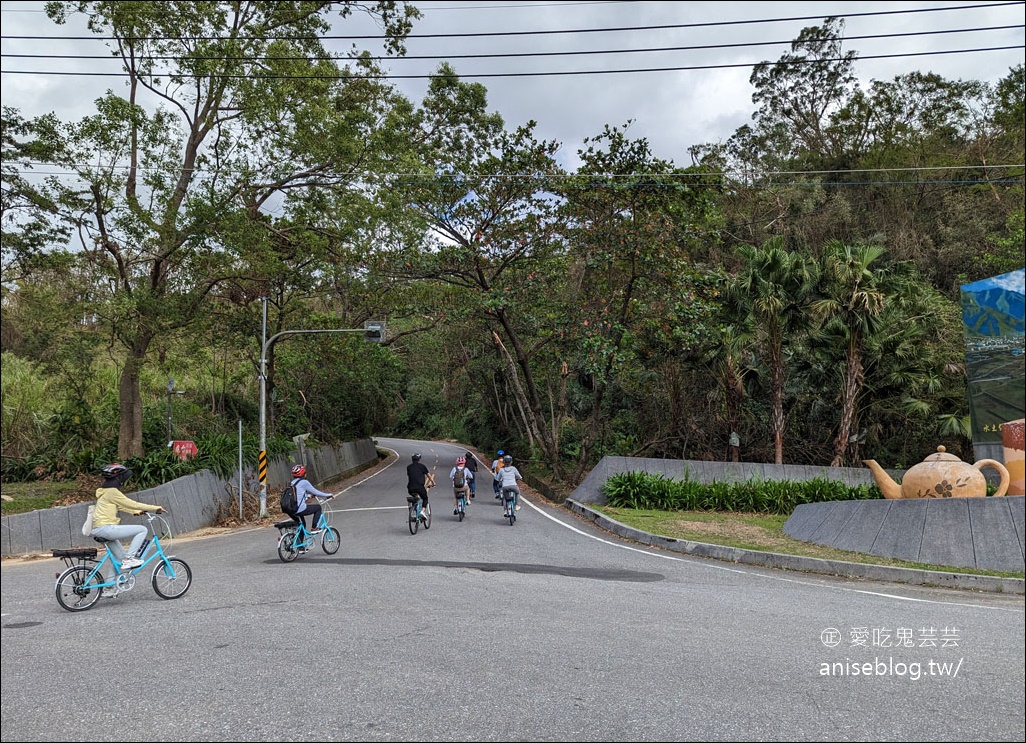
x: 28, y: 399
x: 643, y: 490
x: 528, y: 307
x: 157, y: 467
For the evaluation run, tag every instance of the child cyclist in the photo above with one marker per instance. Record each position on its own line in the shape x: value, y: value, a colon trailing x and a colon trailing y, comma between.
x: 461, y: 478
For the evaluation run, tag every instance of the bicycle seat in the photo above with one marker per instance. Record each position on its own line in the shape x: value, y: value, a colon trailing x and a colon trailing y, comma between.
x: 101, y: 540
x: 412, y: 498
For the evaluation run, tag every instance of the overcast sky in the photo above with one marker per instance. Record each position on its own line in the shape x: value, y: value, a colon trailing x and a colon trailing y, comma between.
x: 672, y: 107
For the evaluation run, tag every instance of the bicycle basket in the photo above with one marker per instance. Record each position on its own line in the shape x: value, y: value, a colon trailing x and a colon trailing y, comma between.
x: 162, y: 528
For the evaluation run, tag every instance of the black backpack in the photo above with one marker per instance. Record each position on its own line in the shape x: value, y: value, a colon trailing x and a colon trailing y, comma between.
x: 288, y: 502
x: 460, y: 478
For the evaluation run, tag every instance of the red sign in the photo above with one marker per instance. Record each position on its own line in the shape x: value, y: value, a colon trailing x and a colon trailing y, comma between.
x: 184, y: 449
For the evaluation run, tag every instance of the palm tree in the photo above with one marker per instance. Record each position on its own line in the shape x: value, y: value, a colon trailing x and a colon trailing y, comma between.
x: 849, y: 310
x: 768, y: 303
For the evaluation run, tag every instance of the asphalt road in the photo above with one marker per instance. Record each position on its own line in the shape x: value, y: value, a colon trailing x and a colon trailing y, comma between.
x: 480, y: 631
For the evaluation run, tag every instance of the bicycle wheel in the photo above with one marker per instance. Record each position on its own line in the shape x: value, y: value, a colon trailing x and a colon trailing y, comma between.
x: 287, y: 551
x: 461, y: 511
x: 74, y: 591
x: 427, y: 518
x: 169, y: 586
x: 331, y: 540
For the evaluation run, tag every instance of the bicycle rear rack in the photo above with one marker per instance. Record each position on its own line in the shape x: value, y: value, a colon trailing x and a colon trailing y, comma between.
x: 76, y: 556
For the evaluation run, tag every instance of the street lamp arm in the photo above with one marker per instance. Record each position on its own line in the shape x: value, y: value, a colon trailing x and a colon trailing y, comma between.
x: 270, y: 341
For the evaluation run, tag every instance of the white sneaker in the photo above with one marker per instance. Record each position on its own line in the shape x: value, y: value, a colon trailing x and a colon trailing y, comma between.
x: 131, y: 563
x: 518, y: 508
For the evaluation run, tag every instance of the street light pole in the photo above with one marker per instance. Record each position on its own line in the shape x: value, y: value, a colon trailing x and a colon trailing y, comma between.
x: 373, y: 331
x: 171, y: 392
x: 262, y: 464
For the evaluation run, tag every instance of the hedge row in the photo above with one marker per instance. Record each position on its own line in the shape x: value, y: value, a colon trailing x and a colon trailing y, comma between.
x: 644, y: 490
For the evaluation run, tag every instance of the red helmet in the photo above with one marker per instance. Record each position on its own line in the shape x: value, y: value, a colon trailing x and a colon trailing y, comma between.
x: 460, y: 461
x: 298, y: 471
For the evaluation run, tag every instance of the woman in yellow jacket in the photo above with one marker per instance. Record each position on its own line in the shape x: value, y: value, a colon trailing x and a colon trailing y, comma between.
x: 106, y: 524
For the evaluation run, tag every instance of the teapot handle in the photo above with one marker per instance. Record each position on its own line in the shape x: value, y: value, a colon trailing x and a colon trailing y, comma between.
x: 1002, y: 470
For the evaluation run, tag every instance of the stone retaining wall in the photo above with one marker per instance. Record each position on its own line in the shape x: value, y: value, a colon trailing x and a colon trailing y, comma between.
x: 192, y: 502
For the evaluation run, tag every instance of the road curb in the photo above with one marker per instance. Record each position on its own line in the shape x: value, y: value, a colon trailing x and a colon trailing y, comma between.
x: 912, y: 576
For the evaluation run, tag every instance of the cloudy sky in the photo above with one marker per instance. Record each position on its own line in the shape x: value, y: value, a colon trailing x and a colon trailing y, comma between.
x: 618, y: 61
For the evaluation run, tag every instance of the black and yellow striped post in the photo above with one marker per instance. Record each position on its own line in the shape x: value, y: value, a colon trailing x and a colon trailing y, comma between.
x: 262, y: 469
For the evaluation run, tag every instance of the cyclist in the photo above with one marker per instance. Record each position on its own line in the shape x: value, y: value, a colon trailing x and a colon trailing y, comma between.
x: 472, y: 466
x: 304, y: 489
x: 496, y: 466
x: 507, y: 479
x: 419, y: 480
x: 107, y: 525
x: 462, y: 480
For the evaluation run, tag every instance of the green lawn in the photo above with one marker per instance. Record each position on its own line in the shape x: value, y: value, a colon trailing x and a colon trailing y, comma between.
x: 22, y: 497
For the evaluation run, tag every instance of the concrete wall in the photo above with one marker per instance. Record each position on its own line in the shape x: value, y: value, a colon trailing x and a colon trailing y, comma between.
x: 192, y: 502
x: 982, y: 533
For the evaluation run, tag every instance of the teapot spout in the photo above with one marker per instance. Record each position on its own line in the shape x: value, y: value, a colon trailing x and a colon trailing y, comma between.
x: 888, y: 487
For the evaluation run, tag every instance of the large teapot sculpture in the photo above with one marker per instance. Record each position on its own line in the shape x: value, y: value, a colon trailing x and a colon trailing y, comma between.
x: 940, y: 475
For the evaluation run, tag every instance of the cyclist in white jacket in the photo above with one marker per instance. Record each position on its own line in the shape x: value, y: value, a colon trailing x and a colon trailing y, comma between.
x: 508, y: 477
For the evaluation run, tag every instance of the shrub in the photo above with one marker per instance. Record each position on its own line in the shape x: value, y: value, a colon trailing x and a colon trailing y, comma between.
x: 642, y: 490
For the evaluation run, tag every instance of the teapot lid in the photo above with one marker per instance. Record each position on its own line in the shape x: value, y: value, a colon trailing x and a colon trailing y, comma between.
x: 942, y: 456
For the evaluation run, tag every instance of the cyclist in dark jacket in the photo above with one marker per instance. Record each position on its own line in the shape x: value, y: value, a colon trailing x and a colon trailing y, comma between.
x: 419, y: 479
x: 472, y: 466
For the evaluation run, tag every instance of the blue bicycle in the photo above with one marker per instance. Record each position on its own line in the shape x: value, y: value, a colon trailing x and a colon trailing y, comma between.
x: 509, y: 505
x: 461, y: 504
x: 295, y: 539
x: 82, y: 584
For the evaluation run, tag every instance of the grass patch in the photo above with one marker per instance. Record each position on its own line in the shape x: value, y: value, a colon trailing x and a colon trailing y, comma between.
x: 23, y: 497
x: 755, y: 531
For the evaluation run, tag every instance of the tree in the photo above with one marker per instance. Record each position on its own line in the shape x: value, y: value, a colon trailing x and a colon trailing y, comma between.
x: 797, y: 94
x: 877, y: 337
x: 851, y: 304
x: 253, y: 91
x: 485, y: 202
x: 630, y: 220
x: 768, y: 303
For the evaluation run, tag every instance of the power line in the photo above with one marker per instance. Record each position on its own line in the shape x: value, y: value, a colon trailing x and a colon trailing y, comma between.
x: 702, y: 47
x: 489, y: 34
x: 482, y: 75
x: 420, y: 177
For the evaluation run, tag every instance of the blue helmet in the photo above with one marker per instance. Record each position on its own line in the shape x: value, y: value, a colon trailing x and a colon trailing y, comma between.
x: 501, y: 452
